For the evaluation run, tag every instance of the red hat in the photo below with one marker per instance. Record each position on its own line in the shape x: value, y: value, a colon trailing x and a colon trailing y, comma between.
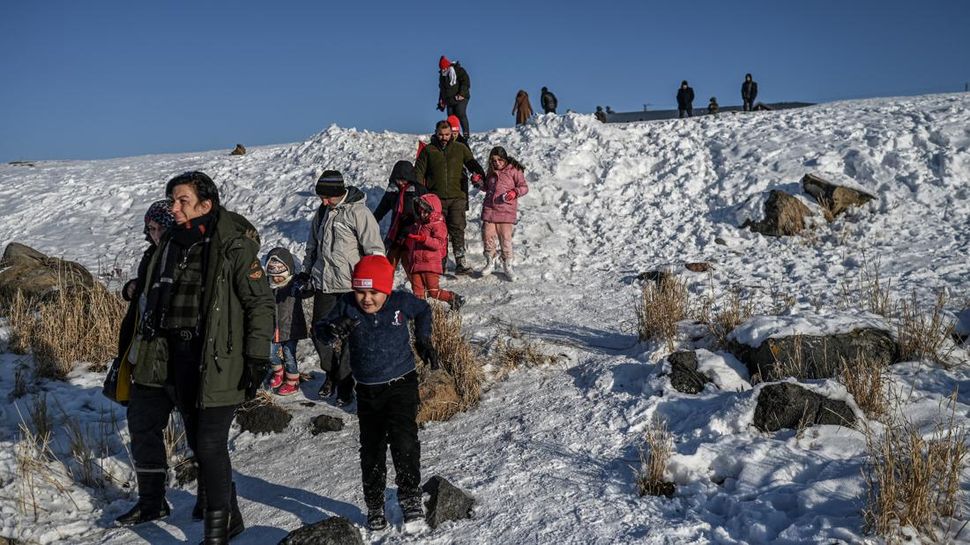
x: 373, y: 272
x: 453, y: 121
x: 443, y: 63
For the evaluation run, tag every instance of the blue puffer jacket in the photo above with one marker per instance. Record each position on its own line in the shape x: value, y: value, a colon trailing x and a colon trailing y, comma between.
x: 380, y: 345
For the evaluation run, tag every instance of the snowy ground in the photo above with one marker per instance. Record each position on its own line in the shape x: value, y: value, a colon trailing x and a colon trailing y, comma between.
x: 550, y: 453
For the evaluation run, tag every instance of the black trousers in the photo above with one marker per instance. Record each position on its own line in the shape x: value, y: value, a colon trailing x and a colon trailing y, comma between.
x: 688, y: 111
x: 748, y: 105
x: 336, y: 365
x: 458, y: 109
x: 206, y: 430
x: 387, y: 414
x: 454, y: 212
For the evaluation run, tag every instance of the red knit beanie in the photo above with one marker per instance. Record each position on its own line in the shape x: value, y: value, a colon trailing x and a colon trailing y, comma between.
x: 373, y: 272
x: 443, y: 63
x: 455, y: 124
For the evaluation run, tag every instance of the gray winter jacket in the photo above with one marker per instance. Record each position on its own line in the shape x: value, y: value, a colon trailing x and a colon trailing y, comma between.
x: 339, y: 237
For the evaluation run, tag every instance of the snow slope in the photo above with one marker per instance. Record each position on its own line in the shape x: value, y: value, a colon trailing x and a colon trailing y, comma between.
x: 550, y: 453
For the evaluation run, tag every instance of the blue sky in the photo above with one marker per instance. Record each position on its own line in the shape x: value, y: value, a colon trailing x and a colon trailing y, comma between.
x: 96, y: 79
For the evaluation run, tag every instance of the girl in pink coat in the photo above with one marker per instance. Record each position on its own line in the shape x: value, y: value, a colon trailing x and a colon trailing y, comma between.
x: 503, y: 185
x: 427, y: 244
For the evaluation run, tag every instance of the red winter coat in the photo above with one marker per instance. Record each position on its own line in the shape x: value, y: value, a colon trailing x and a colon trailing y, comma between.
x: 495, y: 186
x: 428, y: 242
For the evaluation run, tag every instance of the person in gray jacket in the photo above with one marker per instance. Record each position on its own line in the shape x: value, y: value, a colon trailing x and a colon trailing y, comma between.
x: 342, y: 231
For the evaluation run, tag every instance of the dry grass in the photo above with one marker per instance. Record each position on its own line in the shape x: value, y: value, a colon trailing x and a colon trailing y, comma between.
x: 913, y: 480
x: 38, y: 465
x: 865, y: 380
x: 76, y: 324
x: 869, y: 292
x: 459, y: 360
x: 721, y: 318
x: 662, y: 305
x: 514, y: 351
x: 174, y: 437
x: 655, y: 454
x: 923, y: 335
x: 21, y: 382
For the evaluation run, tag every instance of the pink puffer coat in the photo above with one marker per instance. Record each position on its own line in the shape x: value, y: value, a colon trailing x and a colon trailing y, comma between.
x: 495, y: 209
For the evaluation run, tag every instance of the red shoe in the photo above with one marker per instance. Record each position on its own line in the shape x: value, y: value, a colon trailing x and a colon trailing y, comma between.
x: 277, y: 378
x: 291, y: 387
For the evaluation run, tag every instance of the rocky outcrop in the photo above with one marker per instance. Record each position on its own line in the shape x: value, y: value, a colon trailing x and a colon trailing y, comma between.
x: 447, y: 502
x: 784, y: 215
x: 38, y: 276
x: 684, y: 376
x: 331, y: 531
x: 259, y: 416
x: 834, y: 199
x: 239, y: 150
x: 789, y: 405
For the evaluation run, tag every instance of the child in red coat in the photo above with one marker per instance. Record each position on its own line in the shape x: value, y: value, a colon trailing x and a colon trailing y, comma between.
x: 427, y: 243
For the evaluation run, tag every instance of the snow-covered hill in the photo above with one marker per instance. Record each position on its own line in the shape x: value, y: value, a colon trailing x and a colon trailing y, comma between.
x: 550, y: 452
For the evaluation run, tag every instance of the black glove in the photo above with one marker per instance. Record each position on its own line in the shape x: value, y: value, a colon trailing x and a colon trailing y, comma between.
x: 302, y: 280
x: 338, y: 330
x: 428, y: 354
x: 254, y: 371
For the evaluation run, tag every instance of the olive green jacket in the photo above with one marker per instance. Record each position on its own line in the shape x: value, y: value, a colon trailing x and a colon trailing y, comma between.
x: 440, y: 170
x: 238, y: 312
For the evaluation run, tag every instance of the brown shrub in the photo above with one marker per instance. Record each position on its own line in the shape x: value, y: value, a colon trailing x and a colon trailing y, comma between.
x: 923, y: 335
x: 655, y: 454
x: 865, y: 380
x: 459, y: 360
x: 662, y: 305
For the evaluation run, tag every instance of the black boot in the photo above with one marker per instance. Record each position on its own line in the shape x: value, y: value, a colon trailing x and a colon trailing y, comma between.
x: 216, y: 528
x: 151, y: 500
x: 236, y: 525
x: 198, y: 512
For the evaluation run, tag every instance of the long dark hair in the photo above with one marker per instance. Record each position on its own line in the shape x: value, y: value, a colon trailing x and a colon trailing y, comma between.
x: 499, y: 151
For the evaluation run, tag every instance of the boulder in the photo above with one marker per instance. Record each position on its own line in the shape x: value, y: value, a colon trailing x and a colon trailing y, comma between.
x: 36, y: 275
x: 239, y: 150
x: 700, y: 266
x: 835, y: 199
x: 684, y: 376
x: 259, y: 416
x: 331, y: 531
x: 447, y: 502
x: 657, y: 277
x: 816, y: 356
x: 325, y: 423
x: 784, y: 215
x: 439, y: 396
x: 789, y: 405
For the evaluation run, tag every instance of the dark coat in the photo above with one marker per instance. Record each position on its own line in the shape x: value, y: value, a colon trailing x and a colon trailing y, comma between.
x: 399, y: 202
x: 126, y: 332
x: 237, y: 321
x: 549, y: 102
x: 440, y: 169
x: 290, y: 319
x: 463, y: 86
x: 685, y: 98
x: 749, y: 91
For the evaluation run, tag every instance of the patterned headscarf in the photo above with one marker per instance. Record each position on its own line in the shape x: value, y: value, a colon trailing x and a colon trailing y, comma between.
x: 161, y: 213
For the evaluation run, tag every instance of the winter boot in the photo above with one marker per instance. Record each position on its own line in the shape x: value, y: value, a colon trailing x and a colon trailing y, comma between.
x: 216, y: 527
x: 507, y: 268
x: 291, y: 386
x: 151, y: 500
x: 457, y: 301
x: 276, y: 378
x: 376, y: 520
x: 327, y: 389
x: 461, y: 266
x: 198, y: 512
x: 236, y: 525
x: 489, y: 265
x: 412, y: 509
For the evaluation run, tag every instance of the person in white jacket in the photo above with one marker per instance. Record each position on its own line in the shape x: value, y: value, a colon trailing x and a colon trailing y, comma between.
x: 342, y: 231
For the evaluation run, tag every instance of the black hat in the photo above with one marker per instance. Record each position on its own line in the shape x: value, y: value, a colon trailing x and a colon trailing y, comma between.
x: 331, y: 184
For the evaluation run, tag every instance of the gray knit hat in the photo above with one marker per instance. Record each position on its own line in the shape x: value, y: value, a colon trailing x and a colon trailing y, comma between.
x: 331, y: 184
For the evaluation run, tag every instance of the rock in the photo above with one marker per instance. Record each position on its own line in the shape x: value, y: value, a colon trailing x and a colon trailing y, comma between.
x: 258, y: 416
x: 835, y: 199
x: 655, y: 276
x: 721, y: 241
x: 784, y: 215
x: 683, y: 373
x: 19, y: 164
x: 324, y: 423
x: 186, y: 471
x: 788, y: 405
x: 331, y: 531
x: 239, y: 150
x: 36, y: 275
x: 447, y: 502
x: 439, y: 396
x: 701, y: 266
x: 816, y: 356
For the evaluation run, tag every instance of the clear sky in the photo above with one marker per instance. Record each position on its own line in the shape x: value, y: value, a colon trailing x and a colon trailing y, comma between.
x: 95, y: 79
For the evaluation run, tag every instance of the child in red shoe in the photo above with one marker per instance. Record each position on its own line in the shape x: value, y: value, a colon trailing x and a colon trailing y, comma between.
x: 427, y: 244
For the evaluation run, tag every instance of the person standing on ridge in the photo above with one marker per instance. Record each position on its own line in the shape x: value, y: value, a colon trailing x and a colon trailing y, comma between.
x: 549, y: 101
x: 454, y: 91
x: 439, y: 168
x: 685, y: 100
x: 522, y: 109
x: 749, y: 92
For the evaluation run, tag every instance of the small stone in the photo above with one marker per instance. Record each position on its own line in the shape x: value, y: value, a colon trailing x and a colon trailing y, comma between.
x: 325, y: 423
x: 700, y: 266
x: 447, y: 502
x: 331, y: 531
x: 684, y: 376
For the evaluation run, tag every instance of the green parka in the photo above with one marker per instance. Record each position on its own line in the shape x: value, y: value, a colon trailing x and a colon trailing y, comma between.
x: 440, y: 169
x: 238, y: 313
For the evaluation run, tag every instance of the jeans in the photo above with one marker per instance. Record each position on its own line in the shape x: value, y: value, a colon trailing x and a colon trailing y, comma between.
x: 288, y: 351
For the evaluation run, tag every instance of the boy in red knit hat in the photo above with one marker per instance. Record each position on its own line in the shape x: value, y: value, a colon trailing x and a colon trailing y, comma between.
x: 373, y: 319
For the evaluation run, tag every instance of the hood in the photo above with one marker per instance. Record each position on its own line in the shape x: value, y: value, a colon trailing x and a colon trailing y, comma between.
x: 232, y: 224
x: 403, y: 170
x: 279, y: 256
x: 435, y: 203
x: 354, y: 196
x: 282, y: 254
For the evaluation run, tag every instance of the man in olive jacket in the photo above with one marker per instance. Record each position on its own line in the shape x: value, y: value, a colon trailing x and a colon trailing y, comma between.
x: 439, y: 168
x: 202, y: 346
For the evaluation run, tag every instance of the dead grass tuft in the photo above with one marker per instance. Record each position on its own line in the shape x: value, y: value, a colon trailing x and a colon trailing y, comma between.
x: 459, y: 360
x: 924, y: 335
x: 721, y: 318
x: 865, y: 380
x: 514, y: 351
x: 655, y: 454
x: 661, y: 307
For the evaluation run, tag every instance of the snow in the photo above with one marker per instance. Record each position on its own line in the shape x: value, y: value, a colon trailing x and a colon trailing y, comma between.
x: 759, y: 328
x: 550, y: 453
